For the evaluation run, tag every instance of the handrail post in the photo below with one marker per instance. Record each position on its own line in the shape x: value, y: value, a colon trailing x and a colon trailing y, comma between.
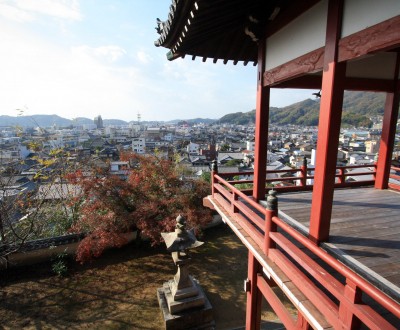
x: 341, y: 178
x: 269, y: 225
x: 214, y: 171
x: 352, y: 293
x: 235, y: 197
x: 303, y: 169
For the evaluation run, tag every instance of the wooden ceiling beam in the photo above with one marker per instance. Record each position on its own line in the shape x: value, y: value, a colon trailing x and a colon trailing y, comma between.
x: 350, y: 84
x: 303, y: 82
x: 368, y: 84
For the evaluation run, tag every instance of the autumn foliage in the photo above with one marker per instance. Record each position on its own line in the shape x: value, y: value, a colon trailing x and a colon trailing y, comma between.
x: 148, y: 199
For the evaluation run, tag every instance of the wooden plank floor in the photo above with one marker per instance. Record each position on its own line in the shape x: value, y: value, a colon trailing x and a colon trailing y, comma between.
x: 365, y: 231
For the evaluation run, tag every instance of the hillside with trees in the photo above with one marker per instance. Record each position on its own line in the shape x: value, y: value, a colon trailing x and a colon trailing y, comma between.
x: 358, y: 108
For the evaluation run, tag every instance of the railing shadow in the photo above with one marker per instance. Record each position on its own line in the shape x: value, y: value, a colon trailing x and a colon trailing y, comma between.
x: 364, y: 241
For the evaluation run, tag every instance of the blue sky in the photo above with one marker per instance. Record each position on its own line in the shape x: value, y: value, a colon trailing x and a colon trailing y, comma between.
x: 82, y: 58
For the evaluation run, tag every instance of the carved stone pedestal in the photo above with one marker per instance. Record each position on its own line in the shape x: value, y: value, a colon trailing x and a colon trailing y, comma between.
x: 194, y: 312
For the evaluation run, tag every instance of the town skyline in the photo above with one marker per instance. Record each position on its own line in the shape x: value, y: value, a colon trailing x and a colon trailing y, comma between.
x: 360, y: 110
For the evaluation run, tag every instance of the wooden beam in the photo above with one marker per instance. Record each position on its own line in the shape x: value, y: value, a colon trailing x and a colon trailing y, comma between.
x: 273, y: 300
x: 367, y: 84
x: 329, y: 127
x: 302, y: 82
x: 350, y: 84
x: 379, y: 37
x: 307, y: 63
x: 388, y: 132
x: 261, y: 129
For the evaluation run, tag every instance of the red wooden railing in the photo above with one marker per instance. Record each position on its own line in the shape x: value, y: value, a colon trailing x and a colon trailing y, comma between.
x: 340, y: 301
x: 301, y: 176
x: 392, y: 185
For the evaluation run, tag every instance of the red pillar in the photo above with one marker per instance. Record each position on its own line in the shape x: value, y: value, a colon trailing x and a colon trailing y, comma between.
x: 253, y: 307
x: 388, y: 133
x: 262, y: 117
x: 328, y: 127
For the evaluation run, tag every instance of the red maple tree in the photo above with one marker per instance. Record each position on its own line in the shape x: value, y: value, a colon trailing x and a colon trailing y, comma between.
x: 149, y: 199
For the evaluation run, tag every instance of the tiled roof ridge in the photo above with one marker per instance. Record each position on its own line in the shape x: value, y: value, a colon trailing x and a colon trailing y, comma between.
x: 165, y: 26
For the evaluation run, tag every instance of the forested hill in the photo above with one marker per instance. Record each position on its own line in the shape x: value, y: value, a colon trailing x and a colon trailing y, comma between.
x: 358, y: 108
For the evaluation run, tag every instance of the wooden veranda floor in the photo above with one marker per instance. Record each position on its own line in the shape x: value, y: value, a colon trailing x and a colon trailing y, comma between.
x: 365, y: 231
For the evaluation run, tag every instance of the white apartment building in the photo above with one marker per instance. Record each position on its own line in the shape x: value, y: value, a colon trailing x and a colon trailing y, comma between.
x: 193, y: 148
x: 250, y: 145
x: 139, y: 145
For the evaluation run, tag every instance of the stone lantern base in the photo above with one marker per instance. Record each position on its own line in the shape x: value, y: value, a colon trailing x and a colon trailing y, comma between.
x: 193, y: 312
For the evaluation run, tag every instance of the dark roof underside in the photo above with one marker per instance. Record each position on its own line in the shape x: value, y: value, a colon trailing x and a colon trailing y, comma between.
x: 215, y: 29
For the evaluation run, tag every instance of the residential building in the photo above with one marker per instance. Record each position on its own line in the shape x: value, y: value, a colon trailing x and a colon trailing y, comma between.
x: 139, y: 145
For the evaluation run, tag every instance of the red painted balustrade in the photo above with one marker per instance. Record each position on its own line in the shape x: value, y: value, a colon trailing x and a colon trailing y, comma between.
x: 339, y: 298
x: 299, y: 179
x: 394, y: 176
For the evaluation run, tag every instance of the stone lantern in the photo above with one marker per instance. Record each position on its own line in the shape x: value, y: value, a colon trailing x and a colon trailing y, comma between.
x: 182, y: 300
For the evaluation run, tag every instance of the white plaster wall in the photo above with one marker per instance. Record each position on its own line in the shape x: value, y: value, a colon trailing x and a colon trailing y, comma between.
x: 360, y: 14
x: 379, y: 66
x: 303, y: 35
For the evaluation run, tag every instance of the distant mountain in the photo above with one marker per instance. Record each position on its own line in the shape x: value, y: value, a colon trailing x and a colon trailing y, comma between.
x: 193, y: 121
x: 239, y: 118
x: 302, y: 113
x: 201, y: 120
x: 34, y: 121
x: 82, y: 121
x: 358, y: 108
x: 363, y: 103
x: 50, y: 120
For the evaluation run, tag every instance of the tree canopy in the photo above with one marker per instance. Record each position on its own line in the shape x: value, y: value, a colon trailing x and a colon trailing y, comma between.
x: 149, y: 199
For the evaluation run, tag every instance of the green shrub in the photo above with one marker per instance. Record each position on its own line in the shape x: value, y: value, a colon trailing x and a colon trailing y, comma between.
x: 59, y: 266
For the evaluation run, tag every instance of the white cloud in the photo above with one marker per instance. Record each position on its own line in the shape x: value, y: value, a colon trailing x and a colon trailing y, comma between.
x: 143, y: 57
x: 15, y: 14
x: 28, y: 10
x: 86, y: 81
x: 110, y: 53
x: 192, y: 73
x: 49, y: 79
